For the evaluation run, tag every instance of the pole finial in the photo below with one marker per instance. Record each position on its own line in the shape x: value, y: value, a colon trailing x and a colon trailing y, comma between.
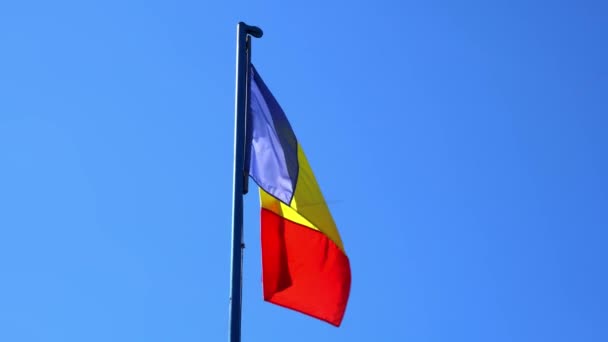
x: 252, y: 30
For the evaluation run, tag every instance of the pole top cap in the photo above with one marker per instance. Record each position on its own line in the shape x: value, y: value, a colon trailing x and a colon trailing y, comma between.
x: 251, y: 30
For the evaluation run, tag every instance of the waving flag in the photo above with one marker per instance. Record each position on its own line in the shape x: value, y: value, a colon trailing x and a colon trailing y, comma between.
x: 305, y: 267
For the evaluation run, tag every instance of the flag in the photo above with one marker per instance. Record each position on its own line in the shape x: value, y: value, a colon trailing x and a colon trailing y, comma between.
x: 304, y: 264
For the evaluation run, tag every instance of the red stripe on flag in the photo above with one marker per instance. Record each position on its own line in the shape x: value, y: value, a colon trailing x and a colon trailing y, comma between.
x: 303, y: 269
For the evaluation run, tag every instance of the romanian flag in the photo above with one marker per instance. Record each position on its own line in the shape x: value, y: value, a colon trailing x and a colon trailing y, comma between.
x: 305, y: 267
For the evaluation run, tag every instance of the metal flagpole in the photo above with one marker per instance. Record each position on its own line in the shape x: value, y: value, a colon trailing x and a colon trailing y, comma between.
x: 242, y: 67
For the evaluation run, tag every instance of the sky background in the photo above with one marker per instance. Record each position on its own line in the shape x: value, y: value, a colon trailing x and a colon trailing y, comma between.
x: 462, y: 147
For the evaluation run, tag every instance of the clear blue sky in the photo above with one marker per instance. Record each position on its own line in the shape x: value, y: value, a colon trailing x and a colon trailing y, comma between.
x: 462, y: 147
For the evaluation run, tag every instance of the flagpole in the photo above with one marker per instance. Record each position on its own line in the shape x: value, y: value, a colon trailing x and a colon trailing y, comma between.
x: 240, y: 104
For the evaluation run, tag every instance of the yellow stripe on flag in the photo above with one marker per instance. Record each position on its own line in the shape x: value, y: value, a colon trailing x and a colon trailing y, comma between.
x: 308, y: 207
